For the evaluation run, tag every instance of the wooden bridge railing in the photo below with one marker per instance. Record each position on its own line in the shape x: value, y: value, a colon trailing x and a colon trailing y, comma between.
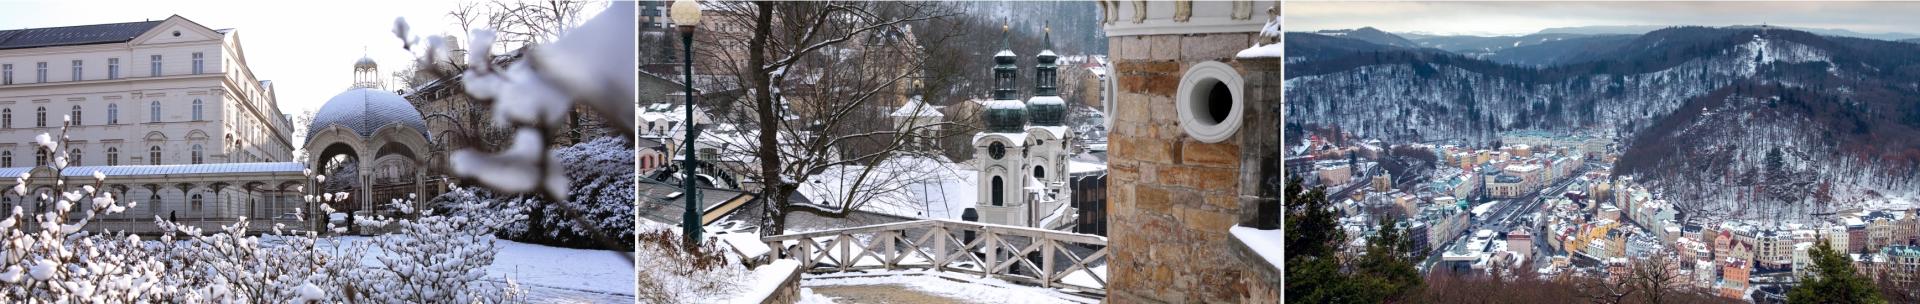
x: 1047, y: 258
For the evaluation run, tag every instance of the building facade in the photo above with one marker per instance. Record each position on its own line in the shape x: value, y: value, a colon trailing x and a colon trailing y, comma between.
x: 164, y: 92
x: 167, y: 110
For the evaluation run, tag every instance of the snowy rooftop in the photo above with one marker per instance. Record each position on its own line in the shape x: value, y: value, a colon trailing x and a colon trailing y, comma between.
x: 1006, y: 104
x: 1057, y: 131
x: 364, y: 110
x: 277, y: 167
x: 916, y: 108
x: 1078, y: 167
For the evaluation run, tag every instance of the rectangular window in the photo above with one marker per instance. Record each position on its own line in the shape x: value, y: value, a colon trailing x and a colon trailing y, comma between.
x: 76, y: 70
x: 40, y: 72
x: 6, y: 74
x: 199, y: 63
x: 156, y: 67
x: 113, y: 68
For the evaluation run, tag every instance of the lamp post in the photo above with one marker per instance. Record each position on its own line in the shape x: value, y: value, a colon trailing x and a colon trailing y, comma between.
x: 686, y: 14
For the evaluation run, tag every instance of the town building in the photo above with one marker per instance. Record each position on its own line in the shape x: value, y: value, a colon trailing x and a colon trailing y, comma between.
x: 1899, y: 264
x: 1520, y: 242
x: 162, y: 92
x: 168, y: 110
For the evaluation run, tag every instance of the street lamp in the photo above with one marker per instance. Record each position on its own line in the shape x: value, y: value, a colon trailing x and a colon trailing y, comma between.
x: 686, y: 14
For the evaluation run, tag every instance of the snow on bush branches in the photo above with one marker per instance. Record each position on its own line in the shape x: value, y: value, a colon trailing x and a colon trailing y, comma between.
x: 600, y: 173
x: 590, y: 66
x: 48, y: 256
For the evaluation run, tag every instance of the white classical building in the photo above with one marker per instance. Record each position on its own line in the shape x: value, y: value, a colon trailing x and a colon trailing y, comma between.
x: 167, y: 109
x: 150, y: 93
x: 1022, y: 154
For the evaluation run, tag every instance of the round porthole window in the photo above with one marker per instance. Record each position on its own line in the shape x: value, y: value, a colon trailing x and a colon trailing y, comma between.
x: 1108, y: 95
x: 1210, y: 102
x: 176, y: 33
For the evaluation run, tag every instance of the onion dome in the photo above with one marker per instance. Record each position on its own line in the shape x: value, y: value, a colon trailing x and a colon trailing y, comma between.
x: 1005, y: 114
x: 1046, y: 108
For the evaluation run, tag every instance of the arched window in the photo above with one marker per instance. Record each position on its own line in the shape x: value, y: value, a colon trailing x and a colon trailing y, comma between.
x: 196, y: 110
x: 113, y: 156
x: 197, y: 152
x: 39, y: 157
x: 153, y: 155
x: 1039, y: 172
x: 998, y: 196
x: 40, y: 117
x: 6, y: 159
x: 113, y: 113
x: 153, y: 203
x: 197, y: 201
x: 73, y: 157
x: 74, y: 119
x: 156, y: 112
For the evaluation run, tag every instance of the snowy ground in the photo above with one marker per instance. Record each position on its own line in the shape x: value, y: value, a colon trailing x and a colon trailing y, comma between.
x: 957, y: 287
x: 558, y: 275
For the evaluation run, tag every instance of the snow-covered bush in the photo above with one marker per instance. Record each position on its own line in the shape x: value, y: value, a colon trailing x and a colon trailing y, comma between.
x: 428, y: 257
x: 46, y: 256
x: 600, y: 173
x: 50, y: 257
x: 669, y: 273
x: 436, y: 258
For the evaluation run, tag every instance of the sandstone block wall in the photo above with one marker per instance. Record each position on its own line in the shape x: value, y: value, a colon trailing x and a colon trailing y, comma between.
x: 1173, y: 197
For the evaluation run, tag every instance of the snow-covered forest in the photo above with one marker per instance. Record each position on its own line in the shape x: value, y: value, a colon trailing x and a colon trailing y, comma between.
x: 1781, y: 123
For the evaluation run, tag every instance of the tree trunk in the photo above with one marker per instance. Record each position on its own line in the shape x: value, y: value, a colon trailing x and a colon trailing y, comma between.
x: 772, y: 185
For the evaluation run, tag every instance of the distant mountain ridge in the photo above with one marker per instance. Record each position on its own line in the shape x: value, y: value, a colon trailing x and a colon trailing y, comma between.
x: 1643, y: 29
x: 1371, y: 35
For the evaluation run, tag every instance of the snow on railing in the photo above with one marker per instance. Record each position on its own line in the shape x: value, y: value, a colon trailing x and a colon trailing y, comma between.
x: 1048, y: 258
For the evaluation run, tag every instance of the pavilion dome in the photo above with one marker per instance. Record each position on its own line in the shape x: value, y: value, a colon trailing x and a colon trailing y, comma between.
x: 365, y: 64
x: 365, y: 110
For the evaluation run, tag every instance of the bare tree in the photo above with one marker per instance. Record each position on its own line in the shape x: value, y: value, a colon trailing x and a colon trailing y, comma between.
x: 521, y: 23
x: 516, y: 25
x: 821, y: 80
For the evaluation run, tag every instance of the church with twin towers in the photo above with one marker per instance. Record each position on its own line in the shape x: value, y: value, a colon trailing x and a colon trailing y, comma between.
x: 1023, y: 152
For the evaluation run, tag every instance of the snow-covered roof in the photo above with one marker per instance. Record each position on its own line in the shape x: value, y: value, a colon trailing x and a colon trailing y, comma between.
x: 1016, y: 138
x: 1005, y: 104
x: 364, y: 110
x: 1047, y: 100
x: 274, y: 167
x: 1056, y: 131
x: 1077, y: 167
x: 916, y: 108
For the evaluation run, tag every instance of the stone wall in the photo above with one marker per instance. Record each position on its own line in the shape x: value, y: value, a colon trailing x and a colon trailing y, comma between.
x: 1173, y: 197
x: 789, y: 291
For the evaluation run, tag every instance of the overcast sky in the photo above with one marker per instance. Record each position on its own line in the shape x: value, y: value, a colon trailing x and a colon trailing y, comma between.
x: 1516, y: 18
x: 307, y: 48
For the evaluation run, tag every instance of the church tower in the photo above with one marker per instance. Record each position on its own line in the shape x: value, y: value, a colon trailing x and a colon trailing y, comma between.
x: 1000, y: 150
x: 1049, y: 141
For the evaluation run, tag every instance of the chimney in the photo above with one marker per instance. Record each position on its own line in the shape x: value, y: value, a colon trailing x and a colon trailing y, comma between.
x: 459, y: 50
